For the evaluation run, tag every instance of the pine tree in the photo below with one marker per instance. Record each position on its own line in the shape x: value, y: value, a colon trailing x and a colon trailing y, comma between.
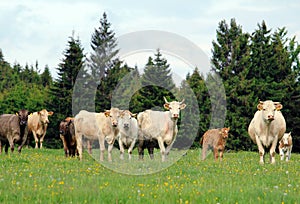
x: 101, y: 62
x: 157, y: 82
x: 46, y: 77
x: 231, y: 60
x: 68, y: 69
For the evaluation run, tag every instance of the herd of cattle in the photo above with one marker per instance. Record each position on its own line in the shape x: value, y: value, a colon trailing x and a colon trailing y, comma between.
x: 150, y: 129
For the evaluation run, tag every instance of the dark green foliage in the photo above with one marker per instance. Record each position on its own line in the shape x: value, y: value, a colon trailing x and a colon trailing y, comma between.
x: 156, y: 83
x: 260, y: 66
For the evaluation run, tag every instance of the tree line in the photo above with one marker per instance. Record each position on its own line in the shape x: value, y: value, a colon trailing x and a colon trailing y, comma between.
x: 262, y: 65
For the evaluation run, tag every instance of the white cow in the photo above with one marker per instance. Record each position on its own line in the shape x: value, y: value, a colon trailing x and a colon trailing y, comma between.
x: 267, y: 127
x: 161, y: 125
x: 128, y: 134
x: 285, y: 146
x: 101, y: 126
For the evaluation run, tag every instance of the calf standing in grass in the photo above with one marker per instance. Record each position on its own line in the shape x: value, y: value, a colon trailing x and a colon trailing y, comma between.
x: 67, y: 135
x: 285, y: 146
x: 214, y: 139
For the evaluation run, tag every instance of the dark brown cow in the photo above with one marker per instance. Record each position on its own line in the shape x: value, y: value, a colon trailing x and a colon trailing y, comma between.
x: 13, y: 130
x: 67, y: 135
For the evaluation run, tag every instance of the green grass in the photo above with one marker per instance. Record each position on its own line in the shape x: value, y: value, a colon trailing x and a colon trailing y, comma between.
x: 46, y: 176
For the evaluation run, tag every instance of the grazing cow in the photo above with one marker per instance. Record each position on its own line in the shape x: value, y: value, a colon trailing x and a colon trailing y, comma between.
x: 214, y: 139
x: 13, y: 129
x: 144, y: 143
x: 128, y: 134
x: 285, y: 146
x: 161, y: 125
x: 37, y: 125
x: 67, y: 135
x: 267, y: 127
x: 101, y: 126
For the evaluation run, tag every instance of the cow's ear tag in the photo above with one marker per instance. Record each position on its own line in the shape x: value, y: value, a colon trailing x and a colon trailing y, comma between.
x: 17, y: 114
x: 30, y: 113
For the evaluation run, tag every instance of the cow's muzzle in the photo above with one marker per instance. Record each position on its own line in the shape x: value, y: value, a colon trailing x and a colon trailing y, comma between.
x: 270, y: 117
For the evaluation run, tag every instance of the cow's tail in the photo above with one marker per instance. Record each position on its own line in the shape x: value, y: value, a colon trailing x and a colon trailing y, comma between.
x: 201, y: 141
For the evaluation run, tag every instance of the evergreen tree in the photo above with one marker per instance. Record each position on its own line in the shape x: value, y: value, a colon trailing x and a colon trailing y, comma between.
x: 46, y: 77
x: 101, y: 61
x: 62, y: 88
x: 68, y: 69
x: 231, y: 60
x: 157, y: 82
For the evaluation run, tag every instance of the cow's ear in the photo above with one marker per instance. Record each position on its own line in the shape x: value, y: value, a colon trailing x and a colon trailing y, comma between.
x: 167, y: 106
x: 260, y: 106
x: 278, y: 106
x: 107, y: 113
x: 182, y: 106
x: 50, y: 113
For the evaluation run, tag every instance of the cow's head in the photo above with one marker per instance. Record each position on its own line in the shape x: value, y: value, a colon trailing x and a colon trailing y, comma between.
x: 64, y: 125
x: 23, y: 116
x: 287, y: 139
x: 44, y: 116
x: 174, y: 107
x: 113, y: 114
x: 268, y: 109
x: 125, y: 118
x: 224, y: 132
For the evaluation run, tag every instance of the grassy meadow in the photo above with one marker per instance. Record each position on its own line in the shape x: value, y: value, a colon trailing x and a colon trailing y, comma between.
x: 46, y: 176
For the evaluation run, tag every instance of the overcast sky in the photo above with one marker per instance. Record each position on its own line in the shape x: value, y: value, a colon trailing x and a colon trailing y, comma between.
x: 39, y: 30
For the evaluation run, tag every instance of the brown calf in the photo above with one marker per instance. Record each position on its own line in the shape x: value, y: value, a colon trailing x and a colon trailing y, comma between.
x: 214, y: 139
x: 67, y: 135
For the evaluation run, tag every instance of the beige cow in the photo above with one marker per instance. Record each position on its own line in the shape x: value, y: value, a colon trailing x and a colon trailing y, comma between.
x: 267, y: 127
x: 37, y: 125
x: 101, y: 126
x: 161, y: 125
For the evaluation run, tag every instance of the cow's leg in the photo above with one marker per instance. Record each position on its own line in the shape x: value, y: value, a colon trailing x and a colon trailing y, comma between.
x: 204, y: 151
x: 131, y: 148
x: 260, y: 149
x: 216, y: 153
x: 272, y: 150
x: 121, y: 149
x: 110, y: 147
x: 42, y: 140
x: 221, y: 154
x: 162, y: 148
x: 102, y: 147
x: 141, y: 149
x: 78, y: 137
x: 35, y: 139
x: 290, y: 152
x: 281, y: 153
x: 89, y: 146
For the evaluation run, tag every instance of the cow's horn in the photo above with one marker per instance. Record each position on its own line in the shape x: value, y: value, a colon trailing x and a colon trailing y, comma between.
x: 182, y: 101
x: 166, y: 100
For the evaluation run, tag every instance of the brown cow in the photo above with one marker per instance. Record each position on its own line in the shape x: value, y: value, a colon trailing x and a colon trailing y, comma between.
x: 13, y: 129
x: 37, y: 125
x: 267, y: 127
x: 67, y: 135
x: 214, y: 139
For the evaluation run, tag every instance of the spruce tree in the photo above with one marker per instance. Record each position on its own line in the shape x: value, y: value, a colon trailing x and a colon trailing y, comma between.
x: 157, y: 82
x: 68, y: 69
